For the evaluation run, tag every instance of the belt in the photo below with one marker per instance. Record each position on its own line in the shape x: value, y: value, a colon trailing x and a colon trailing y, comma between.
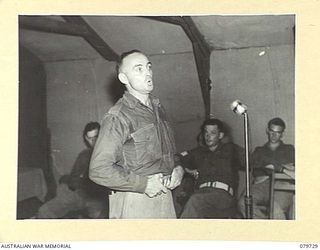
x: 218, y: 184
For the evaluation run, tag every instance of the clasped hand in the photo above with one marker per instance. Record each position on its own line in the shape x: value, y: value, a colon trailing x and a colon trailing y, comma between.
x: 193, y: 172
x: 158, y: 184
x: 288, y: 166
x: 155, y: 186
x: 173, y: 180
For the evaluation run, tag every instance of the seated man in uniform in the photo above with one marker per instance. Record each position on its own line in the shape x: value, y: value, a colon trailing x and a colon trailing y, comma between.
x: 213, y: 165
x: 273, y: 156
x: 76, y: 191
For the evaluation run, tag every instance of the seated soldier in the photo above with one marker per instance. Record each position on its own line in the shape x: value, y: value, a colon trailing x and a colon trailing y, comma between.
x: 273, y: 156
x: 213, y: 166
x: 76, y: 191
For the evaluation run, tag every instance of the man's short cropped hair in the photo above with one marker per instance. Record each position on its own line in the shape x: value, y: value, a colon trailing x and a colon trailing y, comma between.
x: 124, y: 55
x: 278, y: 122
x: 213, y: 121
x: 89, y: 127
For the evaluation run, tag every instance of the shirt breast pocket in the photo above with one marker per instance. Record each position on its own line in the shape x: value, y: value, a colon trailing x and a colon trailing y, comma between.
x: 147, y: 145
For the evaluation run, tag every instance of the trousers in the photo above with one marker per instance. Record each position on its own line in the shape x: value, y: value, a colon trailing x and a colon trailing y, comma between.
x: 129, y: 205
x: 209, y: 203
x: 67, y: 200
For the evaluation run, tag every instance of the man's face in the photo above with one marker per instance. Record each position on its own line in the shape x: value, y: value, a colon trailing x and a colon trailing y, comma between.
x: 274, y: 133
x: 212, y: 135
x: 91, y: 137
x: 136, y: 73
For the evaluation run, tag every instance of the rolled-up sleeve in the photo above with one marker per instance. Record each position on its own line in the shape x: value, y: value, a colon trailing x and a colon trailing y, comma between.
x: 105, y: 165
x: 186, y: 159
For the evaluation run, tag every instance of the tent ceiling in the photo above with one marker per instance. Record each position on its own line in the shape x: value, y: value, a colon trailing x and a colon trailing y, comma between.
x: 229, y: 32
x: 56, y: 47
x: 150, y: 36
x: 153, y: 37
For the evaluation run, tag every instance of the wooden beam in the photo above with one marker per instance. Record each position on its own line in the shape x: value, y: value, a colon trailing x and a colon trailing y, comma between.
x: 46, y: 24
x: 93, y: 38
x: 167, y: 19
x: 195, y: 35
x: 203, y: 68
x: 201, y: 52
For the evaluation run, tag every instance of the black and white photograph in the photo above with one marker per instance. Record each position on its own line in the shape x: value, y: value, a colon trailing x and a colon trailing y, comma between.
x: 150, y: 117
x: 159, y: 122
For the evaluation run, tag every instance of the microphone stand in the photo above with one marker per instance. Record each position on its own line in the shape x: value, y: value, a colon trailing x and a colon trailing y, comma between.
x: 239, y: 108
x: 248, y: 196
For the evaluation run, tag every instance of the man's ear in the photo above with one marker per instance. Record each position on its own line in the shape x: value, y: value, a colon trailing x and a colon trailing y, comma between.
x: 221, y: 135
x: 123, y: 78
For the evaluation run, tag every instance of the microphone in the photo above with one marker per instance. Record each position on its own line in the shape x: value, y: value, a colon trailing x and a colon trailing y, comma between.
x: 238, y: 107
x: 241, y: 109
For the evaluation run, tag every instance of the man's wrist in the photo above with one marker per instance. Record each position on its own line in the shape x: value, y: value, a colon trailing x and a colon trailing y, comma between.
x: 180, y: 170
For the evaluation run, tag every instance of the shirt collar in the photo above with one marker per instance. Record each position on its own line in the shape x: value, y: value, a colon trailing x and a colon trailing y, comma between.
x: 205, y: 148
x: 133, y: 101
x: 130, y: 99
x: 266, y: 145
